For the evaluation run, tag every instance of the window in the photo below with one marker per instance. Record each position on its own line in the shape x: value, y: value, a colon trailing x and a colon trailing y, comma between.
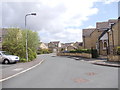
x: 105, y: 44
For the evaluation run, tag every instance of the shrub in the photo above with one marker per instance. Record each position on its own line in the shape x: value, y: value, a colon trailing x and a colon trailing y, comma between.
x: 43, y: 51
x: 81, y: 51
x: 23, y: 60
x: 118, y: 50
x: 31, y: 54
x: 94, y: 53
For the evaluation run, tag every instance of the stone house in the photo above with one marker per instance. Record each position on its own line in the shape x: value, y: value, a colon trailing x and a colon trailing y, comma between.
x: 114, y: 41
x: 0, y: 39
x: 54, y: 46
x: 3, y: 32
x: 90, y: 37
x: 42, y: 46
x: 103, y: 38
x: 78, y: 45
x: 97, y: 38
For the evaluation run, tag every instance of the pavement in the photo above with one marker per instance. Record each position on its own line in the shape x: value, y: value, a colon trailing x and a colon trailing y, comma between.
x: 107, y: 63
x: 98, y: 61
x: 11, y: 70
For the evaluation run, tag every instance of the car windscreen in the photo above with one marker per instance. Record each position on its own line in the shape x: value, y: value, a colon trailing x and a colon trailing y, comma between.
x: 5, y: 53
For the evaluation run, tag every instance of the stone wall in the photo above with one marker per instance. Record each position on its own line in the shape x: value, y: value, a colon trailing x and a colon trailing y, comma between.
x: 113, y: 57
x: 86, y: 55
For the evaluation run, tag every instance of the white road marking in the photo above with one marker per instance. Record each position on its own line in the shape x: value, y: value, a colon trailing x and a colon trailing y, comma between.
x: 17, y: 69
x: 21, y: 71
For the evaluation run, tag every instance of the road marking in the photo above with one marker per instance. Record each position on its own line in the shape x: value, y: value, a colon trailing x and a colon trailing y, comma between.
x: 22, y: 71
x: 17, y: 69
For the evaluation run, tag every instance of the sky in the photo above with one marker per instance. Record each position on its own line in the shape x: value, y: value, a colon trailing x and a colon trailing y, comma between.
x: 57, y: 20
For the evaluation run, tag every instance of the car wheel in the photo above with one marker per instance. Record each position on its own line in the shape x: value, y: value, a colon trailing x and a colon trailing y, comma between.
x: 6, y: 61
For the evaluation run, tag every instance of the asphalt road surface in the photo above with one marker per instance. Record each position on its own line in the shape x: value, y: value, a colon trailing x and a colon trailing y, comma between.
x: 63, y: 72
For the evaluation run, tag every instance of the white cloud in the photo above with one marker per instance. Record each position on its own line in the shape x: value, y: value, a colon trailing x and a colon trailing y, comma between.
x: 110, y: 1
x: 91, y: 26
x: 53, y: 16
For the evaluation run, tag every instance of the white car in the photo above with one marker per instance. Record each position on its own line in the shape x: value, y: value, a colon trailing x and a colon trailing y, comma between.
x: 6, y: 58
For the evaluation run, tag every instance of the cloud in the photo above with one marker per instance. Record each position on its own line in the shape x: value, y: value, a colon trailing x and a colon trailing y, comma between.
x: 110, y: 1
x: 91, y: 26
x: 55, y: 19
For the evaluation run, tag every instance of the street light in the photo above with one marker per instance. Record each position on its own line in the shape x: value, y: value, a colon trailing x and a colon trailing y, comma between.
x: 26, y: 34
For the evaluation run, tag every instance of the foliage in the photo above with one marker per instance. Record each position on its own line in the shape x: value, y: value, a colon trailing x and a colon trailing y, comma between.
x: 94, y: 53
x: 43, y: 51
x: 118, y: 50
x: 81, y: 51
x: 15, y: 43
x: 90, y: 51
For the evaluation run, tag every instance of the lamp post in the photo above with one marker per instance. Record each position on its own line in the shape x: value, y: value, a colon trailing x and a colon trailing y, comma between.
x: 26, y: 34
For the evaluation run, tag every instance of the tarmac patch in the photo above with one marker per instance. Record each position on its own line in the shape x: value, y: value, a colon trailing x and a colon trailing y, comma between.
x: 80, y: 80
x: 91, y: 73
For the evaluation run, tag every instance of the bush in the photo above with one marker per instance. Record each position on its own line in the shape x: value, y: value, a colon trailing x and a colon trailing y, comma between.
x: 23, y: 60
x: 43, y: 51
x: 118, y: 50
x: 31, y: 54
x: 15, y: 43
x: 94, y: 53
x: 81, y: 51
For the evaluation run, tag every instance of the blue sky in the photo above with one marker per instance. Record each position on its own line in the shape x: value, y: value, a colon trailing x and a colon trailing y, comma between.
x: 106, y: 11
x: 58, y: 20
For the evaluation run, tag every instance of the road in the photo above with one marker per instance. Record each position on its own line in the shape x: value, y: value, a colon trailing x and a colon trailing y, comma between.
x: 64, y: 72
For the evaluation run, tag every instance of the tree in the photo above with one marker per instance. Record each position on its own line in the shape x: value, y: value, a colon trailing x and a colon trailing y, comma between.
x: 15, y: 43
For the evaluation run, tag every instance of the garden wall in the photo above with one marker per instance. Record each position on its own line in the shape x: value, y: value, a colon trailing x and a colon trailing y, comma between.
x: 114, y: 57
x: 86, y: 55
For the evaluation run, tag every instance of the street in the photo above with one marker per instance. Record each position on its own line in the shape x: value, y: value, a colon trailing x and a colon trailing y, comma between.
x: 64, y: 72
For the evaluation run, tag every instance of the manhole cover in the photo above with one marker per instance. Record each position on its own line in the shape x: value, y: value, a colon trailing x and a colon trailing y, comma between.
x: 80, y: 80
x: 91, y: 73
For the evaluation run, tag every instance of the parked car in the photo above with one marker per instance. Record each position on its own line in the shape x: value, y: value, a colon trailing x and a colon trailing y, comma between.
x: 6, y: 58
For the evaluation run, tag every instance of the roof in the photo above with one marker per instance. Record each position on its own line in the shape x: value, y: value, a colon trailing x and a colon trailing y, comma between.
x: 101, y: 36
x: 87, y: 32
x: 55, y: 42
x: 100, y: 25
x: 106, y: 24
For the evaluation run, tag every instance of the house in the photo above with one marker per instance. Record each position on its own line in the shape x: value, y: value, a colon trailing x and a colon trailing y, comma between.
x: 79, y: 45
x: 43, y: 45
x: 114, y: 41
x: 97, y: 38
x: 90, y: 37
x: 54, y: 46
x: 3, y: 32
x: 0, y: 39
x: 102, y: 44
x: 70, y: 46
